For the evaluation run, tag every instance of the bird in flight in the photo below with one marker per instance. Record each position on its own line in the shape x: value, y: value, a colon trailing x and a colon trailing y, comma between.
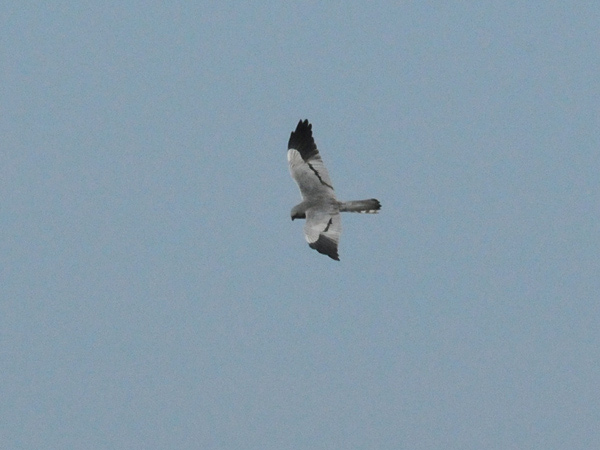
x: 319, y: 206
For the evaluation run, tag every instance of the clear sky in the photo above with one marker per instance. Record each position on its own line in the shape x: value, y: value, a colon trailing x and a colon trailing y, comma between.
x: 154, y: 293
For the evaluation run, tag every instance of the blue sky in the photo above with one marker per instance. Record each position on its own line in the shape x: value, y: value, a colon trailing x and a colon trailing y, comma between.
x: 155, y: 294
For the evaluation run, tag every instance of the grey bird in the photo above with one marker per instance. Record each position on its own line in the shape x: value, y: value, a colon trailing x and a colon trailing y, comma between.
x: 319, y: 206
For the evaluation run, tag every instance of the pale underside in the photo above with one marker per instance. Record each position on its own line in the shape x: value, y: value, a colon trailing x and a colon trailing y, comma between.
x: 320, y: 204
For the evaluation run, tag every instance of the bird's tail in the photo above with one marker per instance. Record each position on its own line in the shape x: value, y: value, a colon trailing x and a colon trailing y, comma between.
x: 370, y: 206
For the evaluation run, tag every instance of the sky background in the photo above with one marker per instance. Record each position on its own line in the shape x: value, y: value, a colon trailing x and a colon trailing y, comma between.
x: 154, y: 293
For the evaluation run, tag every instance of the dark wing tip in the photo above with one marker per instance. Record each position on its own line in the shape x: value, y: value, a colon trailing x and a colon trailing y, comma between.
x: 326, y: 246
x: 303, y: 141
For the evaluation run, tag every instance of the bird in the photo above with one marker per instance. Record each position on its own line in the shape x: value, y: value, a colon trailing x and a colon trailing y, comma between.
x: 319, y: 205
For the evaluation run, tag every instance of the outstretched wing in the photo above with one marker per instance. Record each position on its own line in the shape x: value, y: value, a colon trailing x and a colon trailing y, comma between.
x: 322, y: 231
x: 306, y: 165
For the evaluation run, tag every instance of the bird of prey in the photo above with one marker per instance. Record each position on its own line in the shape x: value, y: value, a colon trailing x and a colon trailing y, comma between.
x: 319, y: 206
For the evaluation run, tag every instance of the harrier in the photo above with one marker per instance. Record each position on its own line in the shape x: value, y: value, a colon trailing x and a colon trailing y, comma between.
x: 319, y: 206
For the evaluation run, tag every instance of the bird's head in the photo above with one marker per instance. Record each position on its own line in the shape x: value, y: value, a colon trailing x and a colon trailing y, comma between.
x: 298, y: 213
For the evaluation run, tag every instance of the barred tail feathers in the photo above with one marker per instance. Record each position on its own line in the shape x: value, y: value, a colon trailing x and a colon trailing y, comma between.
x: 370, y: 206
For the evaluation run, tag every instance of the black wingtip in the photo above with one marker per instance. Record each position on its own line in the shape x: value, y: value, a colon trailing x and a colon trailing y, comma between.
x: 302, y: 140
x: 326, y: 246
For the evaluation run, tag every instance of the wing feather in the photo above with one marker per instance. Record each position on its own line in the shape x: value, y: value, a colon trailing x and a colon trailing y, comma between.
x: 306, y: 165
x: 322, y: 231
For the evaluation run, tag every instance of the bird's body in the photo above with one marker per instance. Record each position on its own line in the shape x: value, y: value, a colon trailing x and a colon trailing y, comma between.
x: 319, y: 206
